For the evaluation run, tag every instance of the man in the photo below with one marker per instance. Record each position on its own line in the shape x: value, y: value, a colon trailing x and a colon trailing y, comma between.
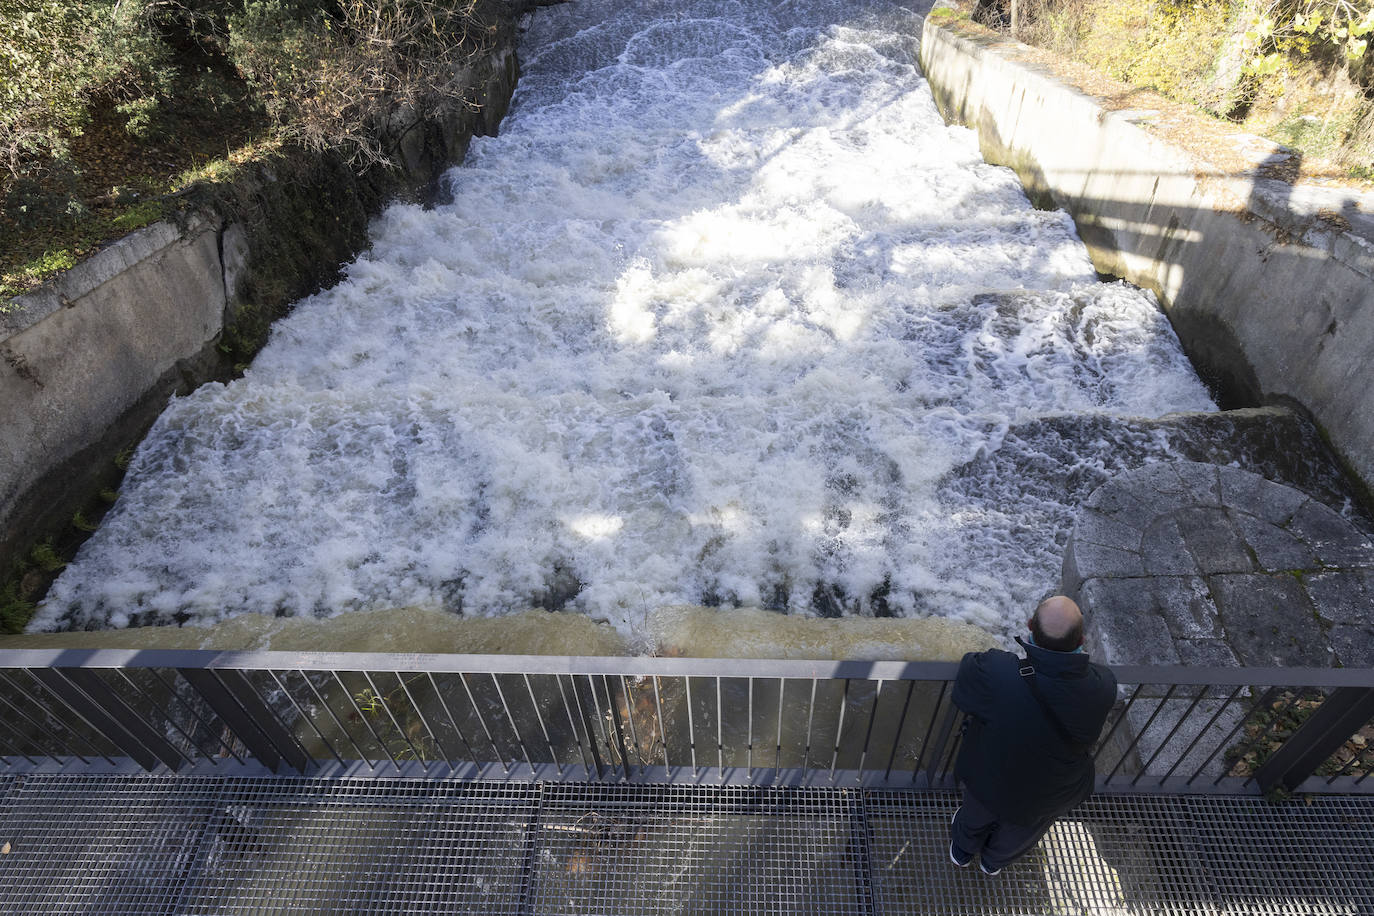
x: 1025, y: 758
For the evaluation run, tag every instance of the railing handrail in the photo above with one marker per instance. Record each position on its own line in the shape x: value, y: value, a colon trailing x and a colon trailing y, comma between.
x: 458, y: 663
x: 165, y: 706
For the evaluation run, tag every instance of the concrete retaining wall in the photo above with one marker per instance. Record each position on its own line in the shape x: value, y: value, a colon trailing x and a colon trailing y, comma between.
x: 89, y: 347
x: 1269, y: 285
x: 88, y: 360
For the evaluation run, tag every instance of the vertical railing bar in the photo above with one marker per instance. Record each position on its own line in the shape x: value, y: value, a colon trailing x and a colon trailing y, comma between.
x: 539, y: 717
x: 581, y: 698
x: 1202, y: 691
x: 691, y: 725
x: 429, y: 730
x: 930, y: 730
x: 839, y: 728
x: 662, y: 723
x: 515, y: 726
x: 1120, y: 720
x: 1260, y: 700
x: 327, y: 707
x: 270, y: 711
x: 306, y: 716
x: 170, y: 721
x: 1354, y: 759
x: 1168, y: 694
x: 777, y: 751
x: 615, y: 724
x: 749, y: 732
x: 1297, y: 695
x: 19, y: 748
x: 44, y: 728
x: 587, y: 721
x: 1198, y: 737
x: 363, y: 716
x: 395, y: 723
x: 602, y: 728
x: 572, y: 722
x: 720, y: 732
x: 482, y: 721
x: 630, y: 720
x: 215, y: 729
x: 75, y: 712
x: 868, y: 733
x: 443, y: 702
x: 810, y: 719
x: 897, y: 735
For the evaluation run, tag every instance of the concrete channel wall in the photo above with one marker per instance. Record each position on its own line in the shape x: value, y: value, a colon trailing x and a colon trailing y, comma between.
x: 89, y: 347
x: 1270, y: 285
x: 88, y: 360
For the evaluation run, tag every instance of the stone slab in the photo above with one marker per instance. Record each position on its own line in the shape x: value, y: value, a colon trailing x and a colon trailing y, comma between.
x: 1335, y: 541
x: 1215, y: 544
x: 1206, y: 653
x: 1203, y: 481
x: 1163, y: 550
x: 1094, y: 527
x: 1121, y: 504
x: 1272, y: 502
x: 1122, y: 627
x: 1185, y: 605
x: 1353, y: 645
x: 1270, y: 621
x: 1343, y: 596
x: 1228, y: 585
x: 1275, y: 548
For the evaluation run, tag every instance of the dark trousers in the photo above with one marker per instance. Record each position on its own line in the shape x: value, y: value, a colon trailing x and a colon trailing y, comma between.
x: 976, y: 829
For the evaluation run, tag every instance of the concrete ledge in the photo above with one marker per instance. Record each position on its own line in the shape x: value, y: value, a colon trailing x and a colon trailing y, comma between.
x: 1269, y: 285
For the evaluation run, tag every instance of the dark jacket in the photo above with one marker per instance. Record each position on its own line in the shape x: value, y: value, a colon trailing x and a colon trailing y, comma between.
x: 1013, y: 759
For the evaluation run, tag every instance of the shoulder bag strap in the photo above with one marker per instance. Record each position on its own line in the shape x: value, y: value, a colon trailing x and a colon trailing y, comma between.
x: 1028, y: 675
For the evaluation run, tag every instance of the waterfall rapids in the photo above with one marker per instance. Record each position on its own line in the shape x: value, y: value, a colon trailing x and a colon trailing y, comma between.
x: 725, y: 315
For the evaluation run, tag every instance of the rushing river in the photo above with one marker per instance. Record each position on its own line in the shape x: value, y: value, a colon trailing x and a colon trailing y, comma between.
x: 726, y: 315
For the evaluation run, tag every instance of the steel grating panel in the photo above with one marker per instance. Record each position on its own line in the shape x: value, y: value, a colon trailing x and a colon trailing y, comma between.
x: 685, y: 849
x: 233, y: 845
x: 1321, y: 855
x: 295, y: 845
x: 1112, y: 856
x: 99, y: 844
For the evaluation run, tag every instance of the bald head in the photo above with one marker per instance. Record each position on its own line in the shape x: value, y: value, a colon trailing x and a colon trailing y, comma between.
x: 1057, y: 624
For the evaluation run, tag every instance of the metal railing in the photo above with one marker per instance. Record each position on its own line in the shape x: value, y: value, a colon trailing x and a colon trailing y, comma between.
x: 726, y: 721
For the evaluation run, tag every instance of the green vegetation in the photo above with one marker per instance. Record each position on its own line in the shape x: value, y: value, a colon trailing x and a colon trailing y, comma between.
x: 44, y: 558
x: 1300, y: 72
x: 28, y: 577
x: 111, y: 109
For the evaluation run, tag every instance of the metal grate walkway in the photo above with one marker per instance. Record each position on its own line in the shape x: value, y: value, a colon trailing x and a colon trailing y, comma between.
x: 167, y: 844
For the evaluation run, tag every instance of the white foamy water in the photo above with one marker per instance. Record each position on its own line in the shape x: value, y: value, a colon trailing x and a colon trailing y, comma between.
x: 712, y: 321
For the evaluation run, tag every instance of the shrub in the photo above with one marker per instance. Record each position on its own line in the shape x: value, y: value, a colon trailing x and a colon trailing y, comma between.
x: 330, y: 74
x: 1300, y: 71
x: 57, y: 56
